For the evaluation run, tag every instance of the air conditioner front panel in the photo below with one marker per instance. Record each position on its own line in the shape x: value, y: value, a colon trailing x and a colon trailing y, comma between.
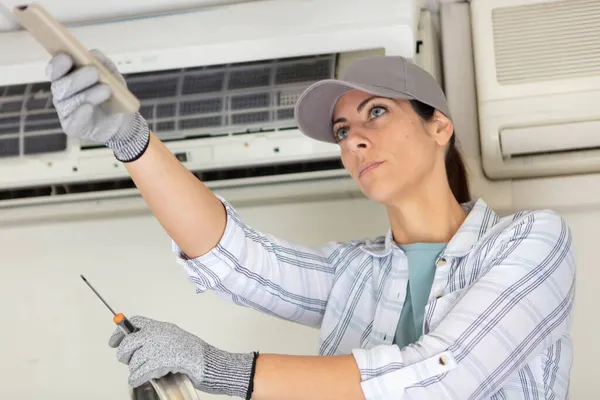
x: 244, y: 32
x: 79, y: 11
x: 535, y: 47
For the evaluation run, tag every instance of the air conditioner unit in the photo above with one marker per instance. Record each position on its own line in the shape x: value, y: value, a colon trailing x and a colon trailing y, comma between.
x: 217, y: 85
x: 537, y: 64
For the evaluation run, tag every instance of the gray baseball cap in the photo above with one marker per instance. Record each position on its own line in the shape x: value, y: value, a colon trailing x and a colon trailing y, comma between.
x: 386, y: 76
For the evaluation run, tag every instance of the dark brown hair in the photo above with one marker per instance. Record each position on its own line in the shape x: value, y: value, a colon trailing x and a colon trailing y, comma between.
x: 456, y: 171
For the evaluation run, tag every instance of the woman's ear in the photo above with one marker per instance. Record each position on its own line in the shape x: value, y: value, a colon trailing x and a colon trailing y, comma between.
x: 444, y: 128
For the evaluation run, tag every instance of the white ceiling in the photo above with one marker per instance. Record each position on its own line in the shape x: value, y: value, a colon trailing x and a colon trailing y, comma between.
x: 73, y: 11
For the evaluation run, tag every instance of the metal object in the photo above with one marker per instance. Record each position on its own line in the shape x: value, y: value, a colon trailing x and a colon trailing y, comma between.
x: 98, y: 294
x: 170, y: 386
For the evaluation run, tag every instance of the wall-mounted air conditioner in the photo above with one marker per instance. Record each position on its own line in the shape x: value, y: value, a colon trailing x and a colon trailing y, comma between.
x: 218, y: 85
x: 538, y: 83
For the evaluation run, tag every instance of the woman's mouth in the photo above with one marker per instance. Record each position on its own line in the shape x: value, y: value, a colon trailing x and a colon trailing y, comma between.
x: 366, y: 168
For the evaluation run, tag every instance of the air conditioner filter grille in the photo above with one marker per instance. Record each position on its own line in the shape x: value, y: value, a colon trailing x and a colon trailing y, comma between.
x: 197, y: 102
x: 547, y: 41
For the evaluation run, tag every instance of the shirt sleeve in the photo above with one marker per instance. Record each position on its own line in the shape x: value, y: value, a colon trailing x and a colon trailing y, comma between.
x: 519, y: 308
x: 271, y: 275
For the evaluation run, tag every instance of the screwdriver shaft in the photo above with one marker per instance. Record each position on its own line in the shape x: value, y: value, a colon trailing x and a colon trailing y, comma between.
x: 121, y: 320
x: 98, y: 294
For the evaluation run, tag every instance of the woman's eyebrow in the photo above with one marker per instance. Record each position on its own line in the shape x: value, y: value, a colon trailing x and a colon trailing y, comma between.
x: 338, y: 120
x: 358, y: 109
x: 364, y: 103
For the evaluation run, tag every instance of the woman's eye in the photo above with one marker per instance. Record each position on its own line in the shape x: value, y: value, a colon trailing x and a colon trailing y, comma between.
x: 341, y: 134
x: 377, y: 111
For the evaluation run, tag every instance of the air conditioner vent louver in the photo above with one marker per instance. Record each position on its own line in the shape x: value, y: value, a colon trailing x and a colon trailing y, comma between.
x: 279, y: 170
x: 178, y: 104
x: 547, y: 41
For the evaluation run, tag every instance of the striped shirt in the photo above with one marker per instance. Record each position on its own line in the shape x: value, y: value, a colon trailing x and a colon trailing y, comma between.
x: 496, y: 324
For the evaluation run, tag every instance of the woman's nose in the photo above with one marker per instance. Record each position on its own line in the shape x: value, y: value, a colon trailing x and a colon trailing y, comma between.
x: 357, y: 141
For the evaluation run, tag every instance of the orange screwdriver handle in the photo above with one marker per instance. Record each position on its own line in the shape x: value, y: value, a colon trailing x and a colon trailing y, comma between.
x: 123, y: 323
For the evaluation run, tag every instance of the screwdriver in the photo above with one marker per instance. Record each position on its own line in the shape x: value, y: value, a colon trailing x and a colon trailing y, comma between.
x: 118, y: 318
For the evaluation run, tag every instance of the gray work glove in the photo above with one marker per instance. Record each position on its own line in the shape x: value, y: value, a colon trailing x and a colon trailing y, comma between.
x: 159, y: 348
x: 77, y: 94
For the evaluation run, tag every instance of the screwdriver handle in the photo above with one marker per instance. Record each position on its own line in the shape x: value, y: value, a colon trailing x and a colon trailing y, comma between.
x: 124, y: 324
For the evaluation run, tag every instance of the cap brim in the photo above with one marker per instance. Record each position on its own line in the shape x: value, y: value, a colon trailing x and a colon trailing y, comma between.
x: 314, y: 108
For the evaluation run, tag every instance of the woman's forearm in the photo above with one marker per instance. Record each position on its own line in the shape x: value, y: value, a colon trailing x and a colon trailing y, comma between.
x: 284, y: 377
x: 190, y: 213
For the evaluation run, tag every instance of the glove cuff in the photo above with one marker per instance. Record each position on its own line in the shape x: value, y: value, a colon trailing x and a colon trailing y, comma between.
x: 129, y: 144
x: 229, y: 374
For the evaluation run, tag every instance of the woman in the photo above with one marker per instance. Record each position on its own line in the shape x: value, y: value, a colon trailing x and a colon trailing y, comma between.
x: 453, y: 303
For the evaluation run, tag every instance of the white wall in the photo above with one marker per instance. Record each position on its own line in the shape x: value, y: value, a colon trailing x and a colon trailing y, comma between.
x: 586, y: 231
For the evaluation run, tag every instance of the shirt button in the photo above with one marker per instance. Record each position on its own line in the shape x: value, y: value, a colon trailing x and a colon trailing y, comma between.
x: 441, y: 262
x: 442, y: 360
x: 439, y: 295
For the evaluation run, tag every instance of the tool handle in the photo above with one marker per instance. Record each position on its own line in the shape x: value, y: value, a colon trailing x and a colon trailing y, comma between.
x: 56, y: 38
x: 125, y: 325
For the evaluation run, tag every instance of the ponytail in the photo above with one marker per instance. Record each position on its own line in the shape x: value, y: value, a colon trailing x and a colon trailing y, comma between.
x: 456, y: 171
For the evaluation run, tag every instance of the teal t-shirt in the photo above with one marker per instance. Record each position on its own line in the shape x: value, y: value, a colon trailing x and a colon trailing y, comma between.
x: 421, y: 271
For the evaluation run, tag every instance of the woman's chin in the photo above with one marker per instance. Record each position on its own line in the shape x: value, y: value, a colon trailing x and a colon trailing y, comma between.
x: 380, y: 192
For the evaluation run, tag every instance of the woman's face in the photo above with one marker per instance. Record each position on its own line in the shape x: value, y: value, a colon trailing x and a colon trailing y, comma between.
x: 386, y: 147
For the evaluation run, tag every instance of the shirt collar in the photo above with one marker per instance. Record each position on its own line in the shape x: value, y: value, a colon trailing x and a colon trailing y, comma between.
x: 479, y: 220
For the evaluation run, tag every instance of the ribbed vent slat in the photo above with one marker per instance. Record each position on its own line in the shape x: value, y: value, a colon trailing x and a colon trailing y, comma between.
x: 547, y: 41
